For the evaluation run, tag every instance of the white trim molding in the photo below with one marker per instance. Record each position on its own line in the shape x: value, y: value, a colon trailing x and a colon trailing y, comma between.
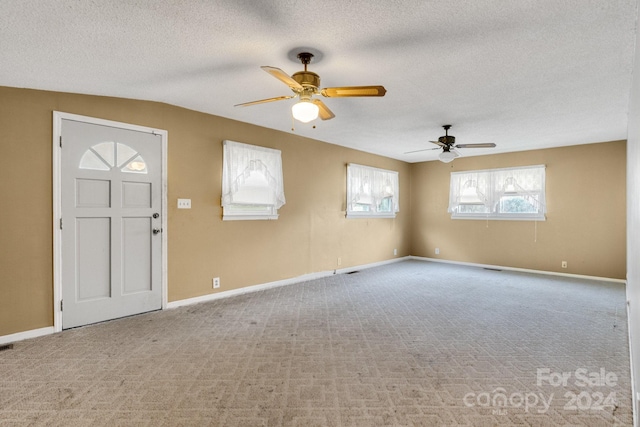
x: 299, y: 279
x: 278, y: 283
x: 20, y: 336
x: 210, y: 297
x: 522, y: 270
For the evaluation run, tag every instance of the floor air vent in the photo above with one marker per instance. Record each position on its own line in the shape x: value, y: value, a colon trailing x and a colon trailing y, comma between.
x: 6, y: 347
x: 492, y: 269
x: 353, y: 272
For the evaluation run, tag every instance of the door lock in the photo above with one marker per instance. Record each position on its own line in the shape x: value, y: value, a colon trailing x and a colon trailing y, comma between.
x: 156, y: 230
x: 156, y: 215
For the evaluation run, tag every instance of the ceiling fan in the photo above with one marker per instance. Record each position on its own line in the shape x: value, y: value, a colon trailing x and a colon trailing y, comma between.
x: 448, y: 145
x: 305, y: 84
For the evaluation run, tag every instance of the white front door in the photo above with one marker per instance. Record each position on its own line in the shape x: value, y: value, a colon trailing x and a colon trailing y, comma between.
x: 111, y: 202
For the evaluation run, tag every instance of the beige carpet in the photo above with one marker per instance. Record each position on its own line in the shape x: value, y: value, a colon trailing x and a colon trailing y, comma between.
x: 407, y: 344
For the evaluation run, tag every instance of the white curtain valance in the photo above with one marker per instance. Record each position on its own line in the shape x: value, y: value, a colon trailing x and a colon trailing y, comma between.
x: 370, y: 186
x: 251, y: 175
x: 487, y: 187
x: 470, y: 187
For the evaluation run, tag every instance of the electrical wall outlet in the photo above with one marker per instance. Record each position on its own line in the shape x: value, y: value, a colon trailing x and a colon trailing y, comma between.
x: 184, y: 203
x: 437, y: 251
x: 339, y: 261
x: 395, y: 252
x: 564, y: 264
x: 216, y: 282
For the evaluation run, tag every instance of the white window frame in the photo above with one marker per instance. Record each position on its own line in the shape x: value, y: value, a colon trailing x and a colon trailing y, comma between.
x: 488, y: 187
x: 383, y: 184
x: 241, y: 202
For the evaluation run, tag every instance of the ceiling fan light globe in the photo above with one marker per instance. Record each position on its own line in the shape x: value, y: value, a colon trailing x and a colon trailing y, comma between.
x: 447, y: 156
x: 305, y: 111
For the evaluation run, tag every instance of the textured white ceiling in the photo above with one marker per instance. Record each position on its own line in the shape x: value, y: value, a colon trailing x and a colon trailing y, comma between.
x: 523, y: 74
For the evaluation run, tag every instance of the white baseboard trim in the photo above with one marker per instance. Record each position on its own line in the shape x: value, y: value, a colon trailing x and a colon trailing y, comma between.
x: 20, y: 336
x: 522, y: 270
x: 34, y: 333
x: 306, y: 277
x: 365, y: 266
x: 278, y: 283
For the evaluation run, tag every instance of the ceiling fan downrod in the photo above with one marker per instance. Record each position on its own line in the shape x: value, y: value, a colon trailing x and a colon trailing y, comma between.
x: 305, y: 58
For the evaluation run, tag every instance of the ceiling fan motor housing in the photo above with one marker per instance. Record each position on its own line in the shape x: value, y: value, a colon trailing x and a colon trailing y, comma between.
x: 447, y: 139
x: 307, y: 78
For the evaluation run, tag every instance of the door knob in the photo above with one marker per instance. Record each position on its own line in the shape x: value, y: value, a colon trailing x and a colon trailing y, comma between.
x: 156, y: 230
x: 155, y: 215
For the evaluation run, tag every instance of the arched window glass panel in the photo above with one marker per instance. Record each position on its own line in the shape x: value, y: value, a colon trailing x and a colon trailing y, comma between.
x: 124, y: 154
x: 90, y: 160
x: 106, y: 151
x: 137, y: 165
x: 106, y: 155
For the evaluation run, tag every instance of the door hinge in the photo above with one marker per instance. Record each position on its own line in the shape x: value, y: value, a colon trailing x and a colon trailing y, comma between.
x: 60, y: 141
x: 61, y: 305
x: 60, y: 223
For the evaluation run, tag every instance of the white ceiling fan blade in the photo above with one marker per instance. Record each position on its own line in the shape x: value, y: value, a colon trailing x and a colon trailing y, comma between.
x: 418, y: 151
x: 486, y: 145
x: 438, y: 143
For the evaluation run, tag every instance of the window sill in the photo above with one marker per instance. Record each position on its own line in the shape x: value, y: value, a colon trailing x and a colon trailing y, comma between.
x: 355, y: 215
x: 248, y: 217
x: 499, y: 218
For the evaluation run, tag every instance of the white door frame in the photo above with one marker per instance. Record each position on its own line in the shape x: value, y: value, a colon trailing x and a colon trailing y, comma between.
x: 57, y: 203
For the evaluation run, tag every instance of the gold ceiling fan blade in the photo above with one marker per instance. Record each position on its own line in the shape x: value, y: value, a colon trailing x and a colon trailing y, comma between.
x: 486, y: 145
x: 335, y: 92
x: 324, y: 113
x: 283, y: 77
x: 262, y: 101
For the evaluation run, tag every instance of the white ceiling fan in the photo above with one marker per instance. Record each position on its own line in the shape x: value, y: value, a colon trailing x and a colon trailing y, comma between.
x: 448, y: 144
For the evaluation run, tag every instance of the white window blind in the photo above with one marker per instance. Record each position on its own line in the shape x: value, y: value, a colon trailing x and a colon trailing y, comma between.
x: 252, y: 184
x: 508, y: 193
x: 372, y: 192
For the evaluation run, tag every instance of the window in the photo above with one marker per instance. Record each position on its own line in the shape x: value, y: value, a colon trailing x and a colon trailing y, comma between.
x: 252, y: 186
x: 371, y: 192
x: 509, y: 193
x: 106, y: 155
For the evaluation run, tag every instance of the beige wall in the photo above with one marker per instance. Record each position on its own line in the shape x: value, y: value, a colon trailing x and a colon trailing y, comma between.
x: 585, y: 223
x: 585, y: 195
x: 309, y: 236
